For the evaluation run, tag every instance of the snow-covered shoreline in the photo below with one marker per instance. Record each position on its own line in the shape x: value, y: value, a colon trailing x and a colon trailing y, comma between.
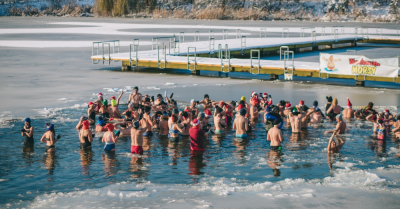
x: 321, y: 11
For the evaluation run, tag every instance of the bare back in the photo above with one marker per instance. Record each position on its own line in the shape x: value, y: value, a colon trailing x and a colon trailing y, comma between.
x: 275, y: 136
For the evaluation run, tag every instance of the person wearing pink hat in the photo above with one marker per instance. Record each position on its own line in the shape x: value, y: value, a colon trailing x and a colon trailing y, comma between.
x: 196, y: 135
x: 348, y: 113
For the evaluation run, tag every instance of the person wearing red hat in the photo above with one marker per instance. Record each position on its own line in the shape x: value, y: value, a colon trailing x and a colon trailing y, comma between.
x: 287, y: 110
x: 254, y: 99
x: 266, y: 100
x: 196, y: 135
x: 91, y: 112
x: 301, y: 103
x: 113, y: 109
x: 348, y: 113
x: 109, y: 138
x: 99, y: 101
x: 85, y: 135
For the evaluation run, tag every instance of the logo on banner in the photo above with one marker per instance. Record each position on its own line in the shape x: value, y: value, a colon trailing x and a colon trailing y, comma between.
x: 330, y: 67
x: 363, y: 67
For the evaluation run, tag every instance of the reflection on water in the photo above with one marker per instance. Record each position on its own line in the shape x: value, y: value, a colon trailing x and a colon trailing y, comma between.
x: 303, y: 156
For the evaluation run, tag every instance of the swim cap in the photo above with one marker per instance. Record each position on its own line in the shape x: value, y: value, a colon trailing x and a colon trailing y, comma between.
x: 349, y: 105
x: 315, y: 103
x: 137, y: 88
x: 243, y: 98
x: 100, y: 95
x: 329, y: 98
x: 136, y: 124
x: 340, y: 117
x: 113, y: 102
x: 202, y: 115
x: 28, y: 120
x: 101, y: 121
x: 195, y: 122
x: 49, y: 126
x: 277, y: 121
x: 110, y: 127
x: 175, y: 111
x: 85, y: 125
x: 242, y: 112
x: 174, y: 118
x: 90, y: 103
x: 221, y: 103
x: 240, y: 106
x: 206, y: 96
x: 208, y: 113
x: 105, y: 102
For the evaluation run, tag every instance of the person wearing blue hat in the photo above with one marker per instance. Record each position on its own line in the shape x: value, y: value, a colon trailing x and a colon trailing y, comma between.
x: 27, y: 132
x: 100, y: 125
x: 49, y: 137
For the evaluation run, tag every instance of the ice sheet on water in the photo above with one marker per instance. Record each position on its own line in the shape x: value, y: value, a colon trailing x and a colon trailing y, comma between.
x: 169, y: 84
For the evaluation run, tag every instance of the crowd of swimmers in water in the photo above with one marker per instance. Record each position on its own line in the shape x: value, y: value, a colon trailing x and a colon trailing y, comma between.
x: 146, y: 114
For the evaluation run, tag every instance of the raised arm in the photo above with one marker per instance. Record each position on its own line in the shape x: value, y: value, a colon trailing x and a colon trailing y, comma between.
x: 341, y: 143
x: 122, y: 92
x: 329, y: 143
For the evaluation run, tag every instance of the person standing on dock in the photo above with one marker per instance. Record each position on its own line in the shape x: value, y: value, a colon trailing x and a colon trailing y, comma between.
x: 348, y: 113
x: 135, y: 98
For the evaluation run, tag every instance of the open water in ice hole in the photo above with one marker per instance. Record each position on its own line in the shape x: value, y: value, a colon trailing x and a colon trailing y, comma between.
x: 28, y: 173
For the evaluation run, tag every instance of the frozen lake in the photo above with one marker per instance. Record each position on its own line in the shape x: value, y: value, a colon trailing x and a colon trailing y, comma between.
x: 52, y: 84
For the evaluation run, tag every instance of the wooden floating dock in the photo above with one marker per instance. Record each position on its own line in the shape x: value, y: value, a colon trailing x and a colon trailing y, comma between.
x: 238, y: 55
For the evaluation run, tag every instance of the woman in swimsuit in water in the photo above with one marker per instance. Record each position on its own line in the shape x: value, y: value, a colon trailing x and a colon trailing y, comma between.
x: 333, y: 110
x: 49, y: 138
x: 109, y: 138
x: 27, y: 132
x: 85, y: 135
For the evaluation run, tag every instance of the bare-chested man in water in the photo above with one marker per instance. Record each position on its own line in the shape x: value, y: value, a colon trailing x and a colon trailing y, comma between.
x: 137, y: 137
x: 241, y: 124
x: 295, y: 120
x: 275, y: 136
x: 348, y: 113
x: 135, y: 98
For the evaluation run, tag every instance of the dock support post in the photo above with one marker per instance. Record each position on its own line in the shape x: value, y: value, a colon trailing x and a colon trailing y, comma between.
x: 360, y: 83
x: 195, y: 72
x: 273, y: 77
x: 126, y: 68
